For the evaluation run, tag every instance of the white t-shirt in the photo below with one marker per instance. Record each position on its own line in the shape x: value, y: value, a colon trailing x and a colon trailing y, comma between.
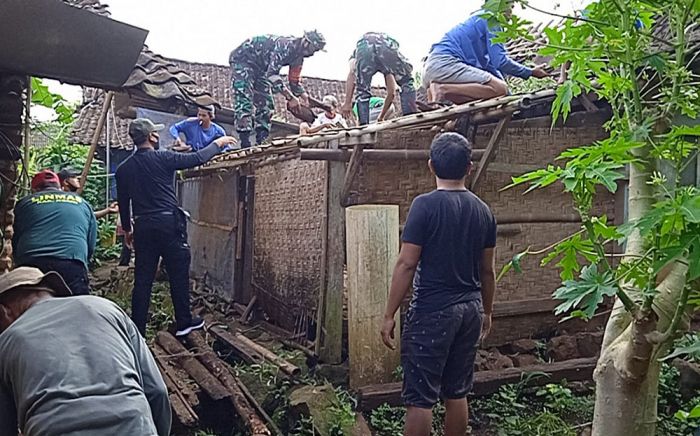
x: 322, y: 119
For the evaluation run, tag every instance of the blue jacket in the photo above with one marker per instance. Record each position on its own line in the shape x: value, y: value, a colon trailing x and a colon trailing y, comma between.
x: 471, y: 43
x: 195, y: 135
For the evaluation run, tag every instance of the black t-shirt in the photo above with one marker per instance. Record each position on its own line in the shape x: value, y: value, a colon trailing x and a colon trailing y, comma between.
x: 453, y: 228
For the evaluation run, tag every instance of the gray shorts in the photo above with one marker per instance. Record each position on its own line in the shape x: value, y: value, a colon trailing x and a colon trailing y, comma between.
x: 442, y: 68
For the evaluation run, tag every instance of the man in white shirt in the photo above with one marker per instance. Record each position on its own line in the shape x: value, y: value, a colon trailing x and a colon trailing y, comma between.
x: 326, y: 119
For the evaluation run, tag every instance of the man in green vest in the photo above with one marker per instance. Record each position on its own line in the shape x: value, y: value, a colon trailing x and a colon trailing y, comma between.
x: 55, y: 231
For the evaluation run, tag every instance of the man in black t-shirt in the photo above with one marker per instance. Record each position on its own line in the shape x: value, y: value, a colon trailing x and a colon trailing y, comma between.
x: 448, y: 250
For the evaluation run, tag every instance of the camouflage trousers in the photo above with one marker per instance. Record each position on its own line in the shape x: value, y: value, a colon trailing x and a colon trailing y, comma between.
x: 252, y: 94
x: 381, y: 57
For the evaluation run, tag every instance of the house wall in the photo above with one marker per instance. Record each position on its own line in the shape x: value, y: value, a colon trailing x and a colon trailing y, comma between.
x: 290, y: 205
x: 535, y: 220
x: 213, y: 203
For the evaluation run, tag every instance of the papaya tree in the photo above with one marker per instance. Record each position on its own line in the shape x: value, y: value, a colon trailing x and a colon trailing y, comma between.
x: 641, y: 58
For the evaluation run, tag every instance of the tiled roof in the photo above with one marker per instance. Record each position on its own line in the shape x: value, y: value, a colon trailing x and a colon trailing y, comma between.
x: 216, y: 79
x: 212, y: 79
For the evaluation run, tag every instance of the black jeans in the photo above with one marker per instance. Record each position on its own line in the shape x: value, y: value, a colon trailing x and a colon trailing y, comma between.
x: 125, y: 255
x: 74, y: 272
x: 157, y: 236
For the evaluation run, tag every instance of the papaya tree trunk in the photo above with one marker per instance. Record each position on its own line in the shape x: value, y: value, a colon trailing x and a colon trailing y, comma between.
x: 627, y: 373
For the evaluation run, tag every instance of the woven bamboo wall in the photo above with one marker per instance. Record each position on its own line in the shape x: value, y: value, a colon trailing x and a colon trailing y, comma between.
x: 290, y: 209
x: 520, y: 150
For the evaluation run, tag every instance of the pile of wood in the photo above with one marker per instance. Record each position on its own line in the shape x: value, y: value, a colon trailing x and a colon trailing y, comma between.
x: 213, y: 376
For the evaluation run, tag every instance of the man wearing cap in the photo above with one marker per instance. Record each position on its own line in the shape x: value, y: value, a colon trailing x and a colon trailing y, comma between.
x: 199, y: 132
x: 256, y: 66
x: 70, y: 182
x: 73, y: 366
x: 146, y: 186
x: 374, y: 53
x: 55, y: 231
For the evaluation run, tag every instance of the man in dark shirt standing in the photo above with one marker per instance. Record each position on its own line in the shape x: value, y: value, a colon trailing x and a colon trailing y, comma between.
x: 448, y: 244
x: 146, y: 186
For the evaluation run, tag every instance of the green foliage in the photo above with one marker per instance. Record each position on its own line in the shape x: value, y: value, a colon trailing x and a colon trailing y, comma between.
x: 41, y: 96
x: 585, y: 293
x: 687, y: 347
x: 60, y: 154
x: 387, y: 421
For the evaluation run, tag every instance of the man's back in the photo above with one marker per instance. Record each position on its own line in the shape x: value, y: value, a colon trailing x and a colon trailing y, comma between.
x: 55, y: 224
x: 467, y: 41
x: 75, y: 366
x: 453, y: 228
x: 147, y: 179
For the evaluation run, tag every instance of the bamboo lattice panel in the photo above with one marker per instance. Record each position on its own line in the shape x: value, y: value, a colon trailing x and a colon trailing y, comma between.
x: 289, y: 214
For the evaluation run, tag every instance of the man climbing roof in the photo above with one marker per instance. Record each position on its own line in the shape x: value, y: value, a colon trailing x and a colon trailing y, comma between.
x: 198, y: 131
x: 256, y: 66
x: 378, y: 53
x: 465, y: 65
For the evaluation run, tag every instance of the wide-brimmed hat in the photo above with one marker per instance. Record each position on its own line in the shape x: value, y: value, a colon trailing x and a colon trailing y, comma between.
x: 27, y: 276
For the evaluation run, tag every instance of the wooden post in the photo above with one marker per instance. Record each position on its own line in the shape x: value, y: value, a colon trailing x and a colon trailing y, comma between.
x: 353, y: 169
x: 95, y: 140
x: 330, y: 341
x: 372, y: 247
x: 490, y: 151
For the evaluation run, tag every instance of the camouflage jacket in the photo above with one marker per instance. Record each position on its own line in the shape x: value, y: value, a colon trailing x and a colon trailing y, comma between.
x: 266, y: 55
x: 374, y: 38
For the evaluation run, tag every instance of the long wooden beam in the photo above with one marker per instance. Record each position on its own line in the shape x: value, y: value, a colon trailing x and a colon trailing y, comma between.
x: 488, y: 382
x: 369, y: 154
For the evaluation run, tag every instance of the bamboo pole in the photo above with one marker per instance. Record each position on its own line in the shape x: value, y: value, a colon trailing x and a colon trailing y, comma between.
x: 27, y: 133
x: 339, y: 155
x: 372, y: 249
x: 95, y: 139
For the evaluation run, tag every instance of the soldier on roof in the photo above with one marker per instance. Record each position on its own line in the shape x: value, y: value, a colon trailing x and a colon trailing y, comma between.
x: 465, y: 65
x: 255, y: 66
x: 374, y: 53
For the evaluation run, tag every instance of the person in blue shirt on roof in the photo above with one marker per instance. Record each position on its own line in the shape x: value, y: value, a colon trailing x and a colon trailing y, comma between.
x: 465, y: 65
x: 199, y: 132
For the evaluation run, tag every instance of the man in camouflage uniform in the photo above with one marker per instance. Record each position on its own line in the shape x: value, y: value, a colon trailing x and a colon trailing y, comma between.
x: 374, y: 53
x: 255, y: 67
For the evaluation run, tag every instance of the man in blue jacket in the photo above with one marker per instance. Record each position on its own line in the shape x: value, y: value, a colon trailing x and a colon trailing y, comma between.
x: 465, y: 65
x: 199, y: 132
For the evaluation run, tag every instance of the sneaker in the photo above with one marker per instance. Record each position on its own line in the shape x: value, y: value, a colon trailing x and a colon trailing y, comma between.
x: 196, y: 324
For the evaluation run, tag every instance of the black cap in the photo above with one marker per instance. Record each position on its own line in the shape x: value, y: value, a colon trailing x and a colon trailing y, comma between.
x: 140, y: 128
x: 67, y: 173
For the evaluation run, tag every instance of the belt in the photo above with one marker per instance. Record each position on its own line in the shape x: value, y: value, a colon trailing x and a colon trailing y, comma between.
x: 152, y: 214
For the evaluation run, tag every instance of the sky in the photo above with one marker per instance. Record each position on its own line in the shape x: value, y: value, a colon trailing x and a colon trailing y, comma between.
x: 207, y: 30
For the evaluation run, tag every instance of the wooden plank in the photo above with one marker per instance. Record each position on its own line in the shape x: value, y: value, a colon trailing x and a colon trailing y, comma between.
x: 252, y: 352
x: 488, y: 382
x: 241, y: 349
x: 351, y: 173
x: 249, y: 309
x: 187, y: 361
x: 331, y: 339
x: 372, y: 250
x: 503, y: 309
x: 180, y: 404
x: 248, y: 240
x: 490, y: 152
x: 220, y: 369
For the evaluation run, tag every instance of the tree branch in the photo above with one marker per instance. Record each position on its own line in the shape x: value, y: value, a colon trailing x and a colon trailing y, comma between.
x: 568, y: 17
